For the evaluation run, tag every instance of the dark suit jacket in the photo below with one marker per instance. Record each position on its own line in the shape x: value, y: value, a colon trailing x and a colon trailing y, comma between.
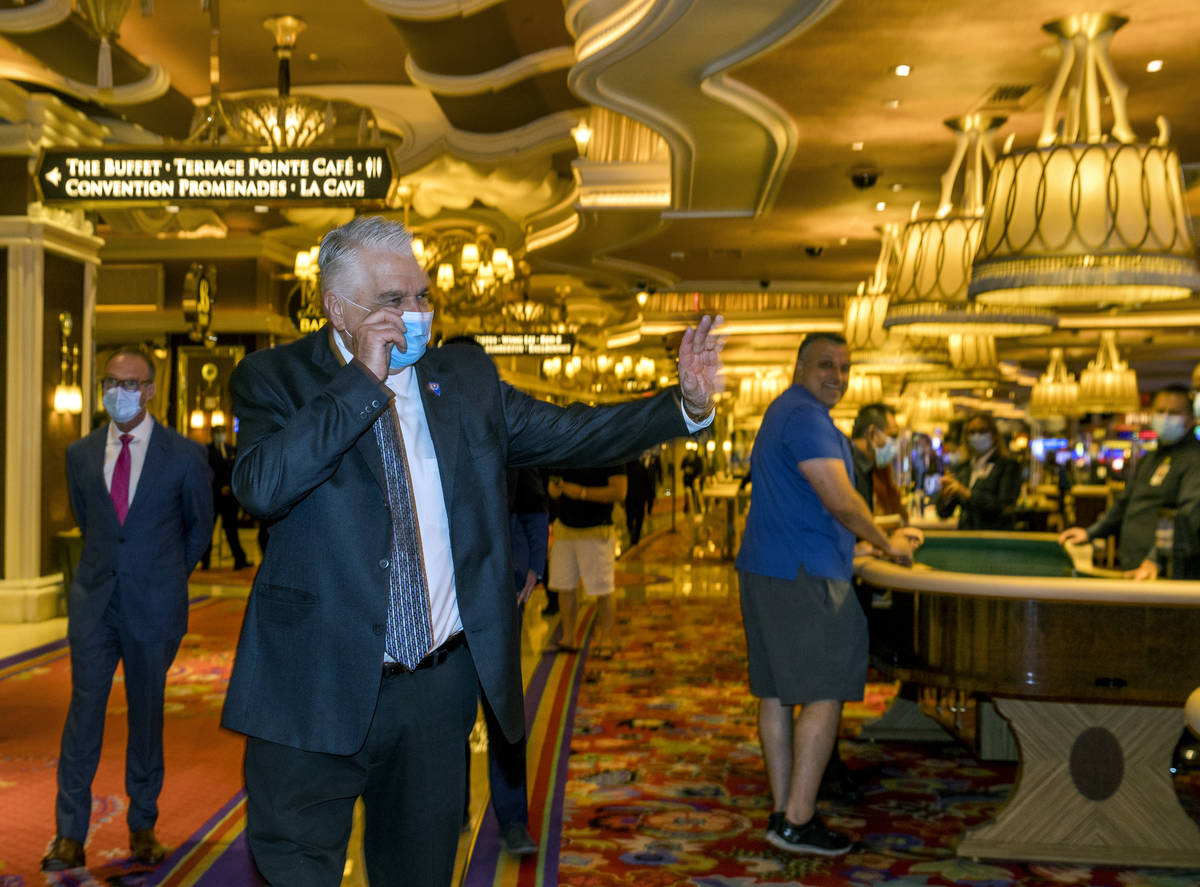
x: 222, y: 467
x: 993, y: 498
x: 148, y: 559
x: 309, y: 659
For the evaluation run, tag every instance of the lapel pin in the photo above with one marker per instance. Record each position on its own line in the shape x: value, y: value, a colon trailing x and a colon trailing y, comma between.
x: 435, y: 388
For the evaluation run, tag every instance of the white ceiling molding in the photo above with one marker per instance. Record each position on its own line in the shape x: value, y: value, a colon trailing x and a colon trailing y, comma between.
x: 431, y: 10
x: 154, y: 85
x: 730, y: 145
x: 451, y: 184
x: 514, y: 72
x: 35, y: 17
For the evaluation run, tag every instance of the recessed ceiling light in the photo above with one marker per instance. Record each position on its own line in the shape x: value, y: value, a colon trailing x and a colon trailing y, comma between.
x: 892, y: 103
x: 880, y: 206
x: 1154, y: 65
x: 902, y: 70
x: 261, y: 208
x: 856, y: 146
x: 896, y: 186
x: 312, y: 57
x: 842, y: 241
x: 172, y: 208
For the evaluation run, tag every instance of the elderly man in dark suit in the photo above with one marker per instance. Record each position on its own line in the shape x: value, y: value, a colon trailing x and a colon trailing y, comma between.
x: 142, y: 496
x: 385, y: 598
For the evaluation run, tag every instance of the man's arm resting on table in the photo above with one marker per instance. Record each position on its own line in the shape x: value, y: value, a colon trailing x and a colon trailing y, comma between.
x: 832, y: 485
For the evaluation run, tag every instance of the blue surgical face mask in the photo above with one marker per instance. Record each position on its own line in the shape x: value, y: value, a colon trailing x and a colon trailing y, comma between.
x: 886, y: 453
x: 122, y: 405
x: 417, y: 325
x: 980, y: 442
x: 1169, y: 427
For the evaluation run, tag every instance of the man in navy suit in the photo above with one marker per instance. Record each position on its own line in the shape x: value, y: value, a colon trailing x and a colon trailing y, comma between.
x: 142, y: 496
x: 384, y: 602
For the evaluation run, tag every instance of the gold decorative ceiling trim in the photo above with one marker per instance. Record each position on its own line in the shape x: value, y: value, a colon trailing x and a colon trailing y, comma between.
x: 544, y: 62
x: 730, y: 144
x: 35, y: 17
x: 431, y: 10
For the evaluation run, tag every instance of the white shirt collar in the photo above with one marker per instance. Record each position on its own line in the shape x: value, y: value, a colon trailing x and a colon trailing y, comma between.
x: 140, y: 432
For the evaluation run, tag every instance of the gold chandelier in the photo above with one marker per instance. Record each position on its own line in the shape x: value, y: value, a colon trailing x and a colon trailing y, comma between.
x: 973, y: 364
x: 873, y: 348
x: 1056, y: 393
x: 1084, y: 219
x: 929, y: 296
x: 1108, y: 385
x: 471, y: 275
x: 281, y: 122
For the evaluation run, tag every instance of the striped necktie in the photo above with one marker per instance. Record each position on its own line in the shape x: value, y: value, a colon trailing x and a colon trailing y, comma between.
x: 119, y: 489
x: 409, y: 625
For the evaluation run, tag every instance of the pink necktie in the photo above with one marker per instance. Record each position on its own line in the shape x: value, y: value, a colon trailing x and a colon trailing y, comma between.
x: 120, y: 479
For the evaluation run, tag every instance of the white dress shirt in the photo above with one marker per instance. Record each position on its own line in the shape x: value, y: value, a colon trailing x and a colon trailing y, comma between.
x: 433, y: 521
x: 137, y: 452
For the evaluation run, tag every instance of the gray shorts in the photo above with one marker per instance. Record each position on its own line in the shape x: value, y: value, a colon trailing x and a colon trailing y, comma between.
x: 806, y: 638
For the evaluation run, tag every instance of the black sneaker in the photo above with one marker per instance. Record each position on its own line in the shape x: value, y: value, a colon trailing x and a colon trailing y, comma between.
x: 812, y: 837
x: 776, y: 821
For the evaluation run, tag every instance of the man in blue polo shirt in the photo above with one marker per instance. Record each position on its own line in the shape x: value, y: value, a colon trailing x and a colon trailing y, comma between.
x: 806, y: 635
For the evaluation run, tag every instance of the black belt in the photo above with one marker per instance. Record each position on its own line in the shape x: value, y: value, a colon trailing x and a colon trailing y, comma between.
x: 437, y: 657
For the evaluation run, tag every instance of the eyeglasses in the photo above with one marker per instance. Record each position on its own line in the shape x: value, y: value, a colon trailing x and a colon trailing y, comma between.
x: 108, y: 383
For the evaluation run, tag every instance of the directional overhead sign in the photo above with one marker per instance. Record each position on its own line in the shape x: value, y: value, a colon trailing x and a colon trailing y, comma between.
x: 97, y: 178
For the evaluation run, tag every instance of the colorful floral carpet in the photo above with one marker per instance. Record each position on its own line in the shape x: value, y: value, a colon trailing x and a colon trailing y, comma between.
x: 666, y: 786
x: 203, y: 762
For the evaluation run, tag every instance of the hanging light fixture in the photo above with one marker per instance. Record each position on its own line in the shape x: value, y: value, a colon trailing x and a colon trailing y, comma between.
x: 874, y: 349
x: 1082, y: 219
x: 929, y: 408
x: 929, y: 295
x: 283, y: 121
x: 973, y: 364
x: 1108, y: 385
x: 1056, y: 393
x: 470, y: 273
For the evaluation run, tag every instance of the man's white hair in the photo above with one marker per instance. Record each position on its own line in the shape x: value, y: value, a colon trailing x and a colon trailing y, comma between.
x: 338, y: 248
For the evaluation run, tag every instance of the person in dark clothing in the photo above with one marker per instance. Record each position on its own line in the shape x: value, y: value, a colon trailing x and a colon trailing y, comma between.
x: 692, y: 469
x: 1165, y: 480
x: 220, y: 460
x: 637, y: 498
x: 529, y: 530
x: 874, y: 437
x: 986, y: 484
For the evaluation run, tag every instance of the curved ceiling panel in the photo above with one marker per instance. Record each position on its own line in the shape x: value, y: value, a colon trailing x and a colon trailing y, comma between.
x: 730, y: 145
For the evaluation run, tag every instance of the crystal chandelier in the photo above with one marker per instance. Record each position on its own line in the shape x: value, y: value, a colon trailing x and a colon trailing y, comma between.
x: 1083, y: 219
x: 929, y: 296
x: 1056, y: 393
x: 471, y: 275
x: 1108, y: 385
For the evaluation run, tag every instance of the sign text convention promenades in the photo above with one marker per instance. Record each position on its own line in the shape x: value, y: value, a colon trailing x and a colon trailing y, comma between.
x: 163, y: 176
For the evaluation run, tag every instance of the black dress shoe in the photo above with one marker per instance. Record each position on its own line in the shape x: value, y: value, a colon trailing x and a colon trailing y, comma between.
x: 145, y: 847
x: 244, y: 565
x: 65, y: 853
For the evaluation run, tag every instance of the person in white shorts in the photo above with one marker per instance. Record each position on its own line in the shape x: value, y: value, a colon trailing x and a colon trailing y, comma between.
x: 583, y: 549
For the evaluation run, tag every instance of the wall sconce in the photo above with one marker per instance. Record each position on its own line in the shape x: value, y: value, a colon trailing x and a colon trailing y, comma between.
x: 711, y: 446
x: 68, y: 397
x: 727, y: 447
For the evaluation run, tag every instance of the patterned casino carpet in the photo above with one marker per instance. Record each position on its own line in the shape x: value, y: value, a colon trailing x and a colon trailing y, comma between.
x: 666, y: 786
x: 203, y: 762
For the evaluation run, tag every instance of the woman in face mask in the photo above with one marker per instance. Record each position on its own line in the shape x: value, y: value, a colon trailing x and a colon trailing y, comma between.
x: 986, y: 484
